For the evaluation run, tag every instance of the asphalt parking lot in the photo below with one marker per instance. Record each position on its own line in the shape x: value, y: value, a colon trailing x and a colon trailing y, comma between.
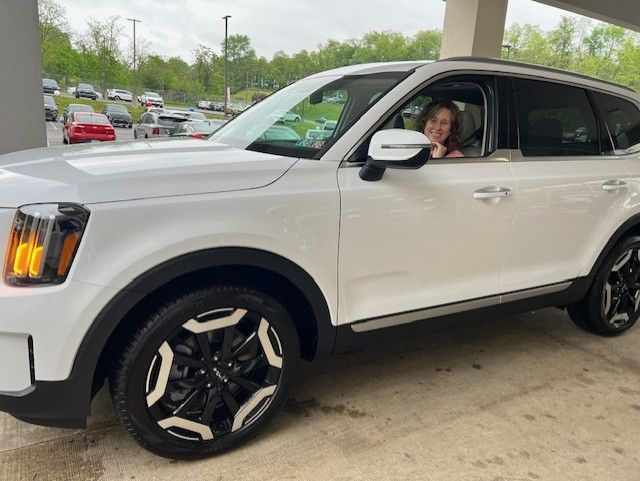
x: 54, y: 133
x: 526, y: 397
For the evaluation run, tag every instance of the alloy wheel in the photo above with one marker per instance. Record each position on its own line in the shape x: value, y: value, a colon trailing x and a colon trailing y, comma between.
x: 621, y: 291
x: 215, y: 375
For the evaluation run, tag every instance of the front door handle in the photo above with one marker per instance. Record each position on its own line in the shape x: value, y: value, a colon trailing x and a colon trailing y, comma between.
x: 491, y: 192
x: 610, y: 185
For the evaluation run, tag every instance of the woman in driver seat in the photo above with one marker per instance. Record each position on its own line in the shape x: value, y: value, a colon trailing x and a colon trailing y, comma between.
x: 440, y: 122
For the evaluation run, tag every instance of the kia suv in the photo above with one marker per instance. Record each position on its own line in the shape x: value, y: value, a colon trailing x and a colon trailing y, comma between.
x: 193, y: 277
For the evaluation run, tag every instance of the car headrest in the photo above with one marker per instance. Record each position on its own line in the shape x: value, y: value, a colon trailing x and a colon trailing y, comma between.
x: 546, y: 132
x: 467, y: 125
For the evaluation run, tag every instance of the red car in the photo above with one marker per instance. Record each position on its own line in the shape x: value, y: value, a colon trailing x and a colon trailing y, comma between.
x: 87, y: 127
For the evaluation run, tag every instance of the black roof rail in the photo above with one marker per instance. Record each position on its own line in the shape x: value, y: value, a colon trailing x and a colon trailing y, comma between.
x: 542, y: 68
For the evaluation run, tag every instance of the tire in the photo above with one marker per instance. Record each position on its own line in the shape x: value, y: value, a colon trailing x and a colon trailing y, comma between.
x: 135, y: 136
x: 227, y: 353
x: 64, y: 140
x: 116, y: 98
x: 612, y: 304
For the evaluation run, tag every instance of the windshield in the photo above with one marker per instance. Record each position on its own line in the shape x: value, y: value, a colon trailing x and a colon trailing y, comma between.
x: 152, y: 94
x: 117, y: 108
x: 49, y: 100
x: 80, y: 108
x: 292, y: 121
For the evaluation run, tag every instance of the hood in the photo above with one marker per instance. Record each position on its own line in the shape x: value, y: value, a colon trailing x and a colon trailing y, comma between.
x: 91, y: 173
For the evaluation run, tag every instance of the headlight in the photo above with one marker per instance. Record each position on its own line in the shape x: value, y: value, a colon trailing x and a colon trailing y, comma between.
x: 43, y: 242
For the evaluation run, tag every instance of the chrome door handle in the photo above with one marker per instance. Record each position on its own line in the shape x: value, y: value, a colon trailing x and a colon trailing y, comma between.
x: 614, y: 185
x: 491, y: 192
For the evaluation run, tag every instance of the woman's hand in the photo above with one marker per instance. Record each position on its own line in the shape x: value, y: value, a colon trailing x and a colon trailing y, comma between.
x: 438, y: 151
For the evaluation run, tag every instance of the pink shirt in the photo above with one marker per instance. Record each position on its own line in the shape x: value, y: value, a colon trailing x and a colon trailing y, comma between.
x: 454, y: 153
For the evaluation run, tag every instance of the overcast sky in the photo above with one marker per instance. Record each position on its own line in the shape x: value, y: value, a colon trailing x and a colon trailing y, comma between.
x: 176, y: 27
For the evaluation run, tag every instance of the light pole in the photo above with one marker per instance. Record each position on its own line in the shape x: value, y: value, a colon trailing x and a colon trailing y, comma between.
x: 134, y: 99
x: 508, y: 47
x: 226, y: 31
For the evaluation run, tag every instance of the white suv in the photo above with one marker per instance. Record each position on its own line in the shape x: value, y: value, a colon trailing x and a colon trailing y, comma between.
x: 195, y: 275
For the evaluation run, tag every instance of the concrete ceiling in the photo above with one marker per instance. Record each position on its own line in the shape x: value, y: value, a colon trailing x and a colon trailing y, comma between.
x: 625, y: 13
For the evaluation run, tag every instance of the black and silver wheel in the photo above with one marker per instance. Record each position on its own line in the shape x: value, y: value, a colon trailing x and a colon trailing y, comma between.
x: 613, y: 303
x: 206, y: 371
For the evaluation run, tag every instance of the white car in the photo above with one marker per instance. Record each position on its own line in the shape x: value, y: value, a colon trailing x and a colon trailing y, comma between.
x: 151, y: 97
x: 194, y: 276
x: 284, y: 116
x: 119, y: 94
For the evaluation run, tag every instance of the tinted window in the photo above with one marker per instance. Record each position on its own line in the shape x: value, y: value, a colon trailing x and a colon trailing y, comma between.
x: 91, y: 118
x: 623, y: 121
x: 555, y: 120
x: 170, y: 121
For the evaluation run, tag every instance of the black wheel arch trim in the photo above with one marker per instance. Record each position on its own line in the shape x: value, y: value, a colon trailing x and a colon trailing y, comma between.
x: 631, y: 223
x: 73, y: 396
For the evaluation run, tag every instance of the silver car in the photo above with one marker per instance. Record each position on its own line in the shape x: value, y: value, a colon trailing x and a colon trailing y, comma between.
x: 156, y: 124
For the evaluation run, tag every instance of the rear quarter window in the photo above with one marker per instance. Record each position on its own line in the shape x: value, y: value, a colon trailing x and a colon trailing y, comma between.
x: 622, y: 118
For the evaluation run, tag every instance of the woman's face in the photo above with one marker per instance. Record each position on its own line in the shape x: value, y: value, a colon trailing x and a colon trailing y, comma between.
x: 438, y: 127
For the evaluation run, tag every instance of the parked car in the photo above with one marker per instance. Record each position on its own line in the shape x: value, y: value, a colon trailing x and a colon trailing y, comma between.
x: 195, y: 276
x: 151, y: 98
x: 50, y: 108
x: 284, y: 116
x: 189, y: 114
x: 118, y: 115
x: 50, y: 86
x: 87, y: 127
x: 279, y: 133
x: 157, y: 124
x: 71, y: 108
x: 196, y: 129
x: 87, y: 91
x: 119, y: 94
x: 204, y: 104
x: 71, y: 91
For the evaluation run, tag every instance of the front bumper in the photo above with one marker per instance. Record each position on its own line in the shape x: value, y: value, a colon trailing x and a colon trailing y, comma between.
x: 64, y: 404
x: 88, y: 137
x: 44, y: 379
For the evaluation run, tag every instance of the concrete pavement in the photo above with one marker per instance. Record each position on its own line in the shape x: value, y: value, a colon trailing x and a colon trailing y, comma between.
x: 527, y: 397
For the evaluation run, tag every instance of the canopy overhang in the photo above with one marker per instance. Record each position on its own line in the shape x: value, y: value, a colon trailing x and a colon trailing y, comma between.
x: 625, y: 13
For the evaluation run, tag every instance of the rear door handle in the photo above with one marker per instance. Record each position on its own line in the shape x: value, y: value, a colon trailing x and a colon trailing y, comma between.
x: 491, y: 192
x: 614, y: 185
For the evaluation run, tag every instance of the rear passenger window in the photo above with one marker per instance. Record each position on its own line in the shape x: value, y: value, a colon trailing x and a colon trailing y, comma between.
x: 555, y: 120
x: 623, y: 122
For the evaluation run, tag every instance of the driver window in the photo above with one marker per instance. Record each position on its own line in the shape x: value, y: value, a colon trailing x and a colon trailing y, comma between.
x: 452, y: 114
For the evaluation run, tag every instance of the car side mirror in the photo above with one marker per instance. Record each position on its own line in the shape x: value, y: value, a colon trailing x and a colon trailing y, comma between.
x: 395, y: 149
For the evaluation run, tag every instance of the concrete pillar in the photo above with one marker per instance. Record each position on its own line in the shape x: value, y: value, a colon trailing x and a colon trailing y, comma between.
x: 473, y: 27
x: 22, y: 125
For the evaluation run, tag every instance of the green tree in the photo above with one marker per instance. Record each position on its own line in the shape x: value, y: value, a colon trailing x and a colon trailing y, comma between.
x: 425, y: 45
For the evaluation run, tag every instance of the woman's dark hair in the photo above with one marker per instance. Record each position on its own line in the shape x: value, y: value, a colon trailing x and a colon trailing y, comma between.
x: 454, y: 141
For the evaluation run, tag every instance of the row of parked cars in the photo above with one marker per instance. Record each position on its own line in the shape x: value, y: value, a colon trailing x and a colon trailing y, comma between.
x: 85, y: 90
x: 159, y: 122
x: 233, y: 108
x: 83, y: 124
